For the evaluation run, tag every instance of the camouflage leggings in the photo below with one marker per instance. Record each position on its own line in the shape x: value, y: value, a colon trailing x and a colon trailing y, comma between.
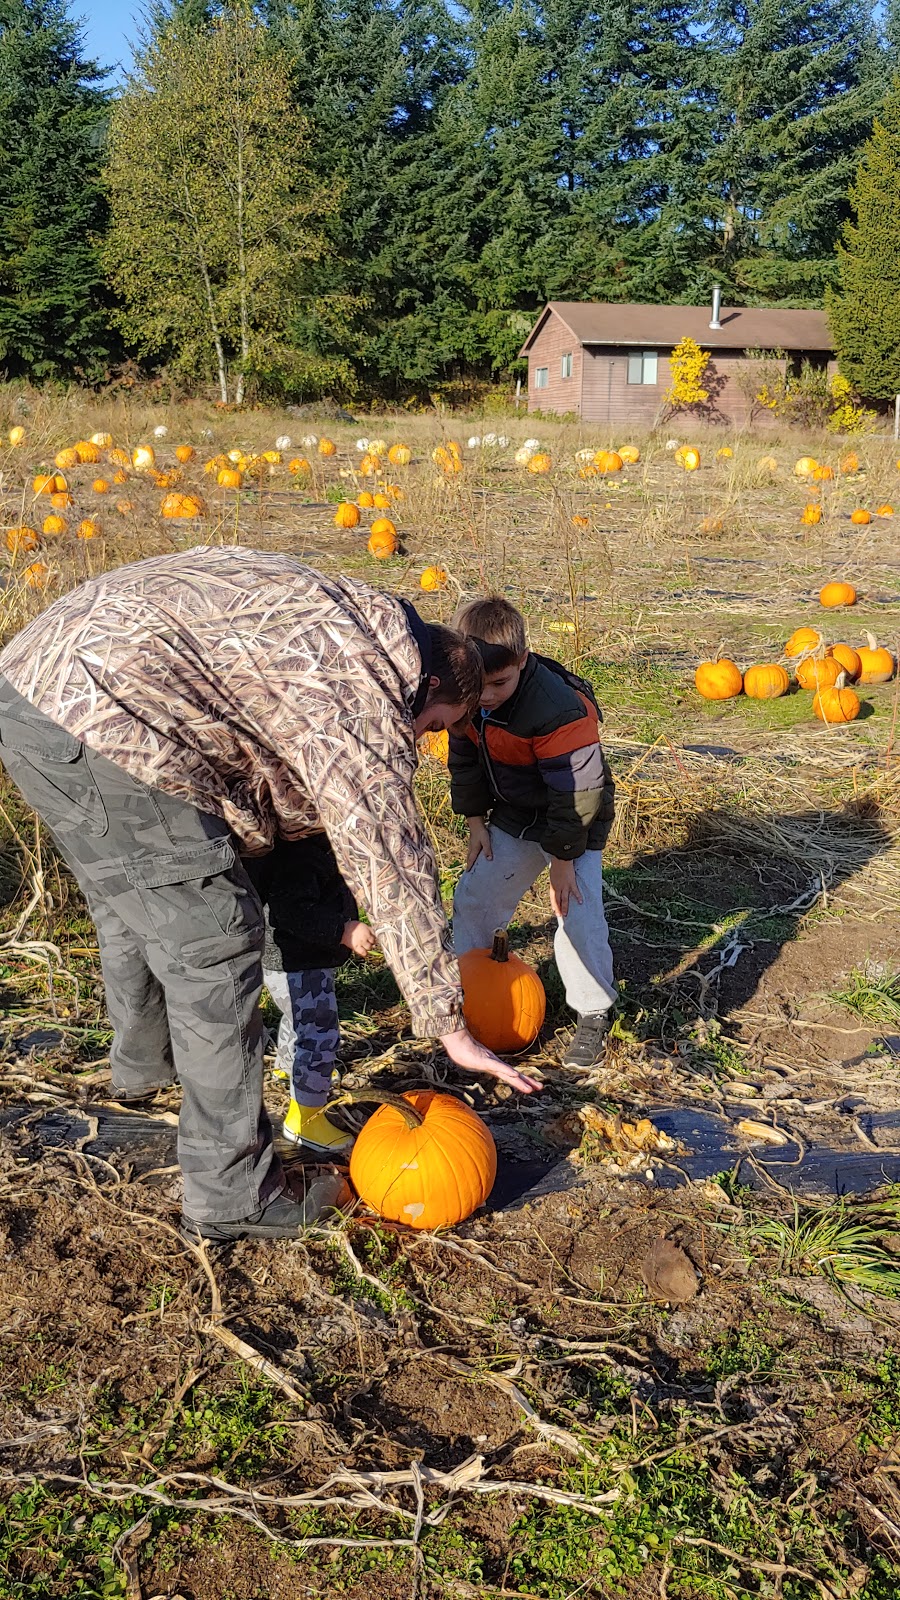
x: 309, y: 1034
x: 180, y: 932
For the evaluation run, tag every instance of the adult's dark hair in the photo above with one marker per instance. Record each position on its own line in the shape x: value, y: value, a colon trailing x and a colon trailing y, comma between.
x: 457, y: 663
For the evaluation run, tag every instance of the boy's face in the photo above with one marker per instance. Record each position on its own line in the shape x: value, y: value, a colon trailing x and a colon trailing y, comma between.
x: 499, y: 686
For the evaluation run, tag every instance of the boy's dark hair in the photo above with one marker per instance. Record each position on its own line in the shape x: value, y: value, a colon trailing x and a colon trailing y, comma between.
x: 497, y: 628
x: 455, y: 660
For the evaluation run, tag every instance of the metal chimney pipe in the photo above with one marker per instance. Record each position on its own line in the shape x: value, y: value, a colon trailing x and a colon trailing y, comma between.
x: 716, y: 306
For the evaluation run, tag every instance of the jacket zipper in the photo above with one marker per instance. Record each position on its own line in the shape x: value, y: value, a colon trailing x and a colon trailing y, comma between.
x: 493, y: 779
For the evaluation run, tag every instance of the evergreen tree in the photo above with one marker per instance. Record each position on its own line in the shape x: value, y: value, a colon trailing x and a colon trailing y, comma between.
x: 54, y: 308
x: 865, y: 308
x: 796, y: 84
x: 215, y: 221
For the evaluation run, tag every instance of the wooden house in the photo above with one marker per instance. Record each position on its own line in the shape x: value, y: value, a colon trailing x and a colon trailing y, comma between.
x: 611, y: 363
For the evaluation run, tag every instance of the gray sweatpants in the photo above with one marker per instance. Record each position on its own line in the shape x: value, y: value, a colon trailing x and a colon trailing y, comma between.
x: 486, y: 898
x: 180, y: 932
x: 309, y: 1032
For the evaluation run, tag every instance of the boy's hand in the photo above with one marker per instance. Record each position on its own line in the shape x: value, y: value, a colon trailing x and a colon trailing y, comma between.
x: 479, y: 841
x: 359, y: 938
x: 563, y: 883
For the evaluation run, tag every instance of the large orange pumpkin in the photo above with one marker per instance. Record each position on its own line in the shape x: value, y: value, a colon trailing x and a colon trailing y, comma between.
x: 837, y: 594
x: 432, y: 579
x: 818, y: 672
x: 802, y: 639
x: 425, y: 1159
x: 383, y: 541
x: 346, y: 515
x: 766, y: 682
x: 848, y: 658
x: 503, y: 997
x: 837, y: 704
x: 183, y: 505
x: 876, y: 665
x: 608, y: 461
x: 718, y: 680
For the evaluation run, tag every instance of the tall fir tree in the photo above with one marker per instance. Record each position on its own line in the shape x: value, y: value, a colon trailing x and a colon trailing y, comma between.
x: 54, y: 305
x: 796, y: 85
x: 864, y: 310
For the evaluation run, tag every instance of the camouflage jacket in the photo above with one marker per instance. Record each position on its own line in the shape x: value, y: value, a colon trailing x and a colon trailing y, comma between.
x: 270, y: 695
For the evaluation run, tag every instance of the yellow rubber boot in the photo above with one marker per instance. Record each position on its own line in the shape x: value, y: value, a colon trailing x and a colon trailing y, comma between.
x: 310, y: 1126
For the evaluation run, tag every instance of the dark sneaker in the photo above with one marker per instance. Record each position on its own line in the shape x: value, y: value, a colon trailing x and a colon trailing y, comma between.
x: 283, y: 1218
x: 587, y: 1045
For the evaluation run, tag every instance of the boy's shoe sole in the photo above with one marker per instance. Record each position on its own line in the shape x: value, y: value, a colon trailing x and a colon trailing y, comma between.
x: 321, y: 1149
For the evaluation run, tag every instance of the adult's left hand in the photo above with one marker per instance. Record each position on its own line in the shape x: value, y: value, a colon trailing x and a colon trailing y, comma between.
x: 467, y: 1053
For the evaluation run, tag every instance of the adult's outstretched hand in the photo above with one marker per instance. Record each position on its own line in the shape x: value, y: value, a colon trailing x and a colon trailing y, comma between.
x: 467, y: 1053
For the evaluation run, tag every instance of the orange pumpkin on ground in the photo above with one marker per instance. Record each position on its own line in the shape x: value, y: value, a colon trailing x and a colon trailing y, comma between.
x: 430, y: 1163
x: 49, y: 483
x: 608, y: 462
x: 383, y: 541
x: 184, y: 452
x: 818, y: 673
x: 124, y: 507
x: 382, y: 501
x: 767, y: 464
x: 120, y: 475
x: 718, y: 680
x: 432, y: 579
x: 848, y: 658
x: 886, y: 510
x: 836, y: 705
x: 21, y: 538
x: 876, y: 665
x: 100, y: 486
x: 436, y: 745
x: 837, y: 594
x: 629, y: 454
x: 803, y: 639
x: 860, y: 516
x: 346, y: 515
x: 327, y: 447
x: 299, y: 467
x: 399, y: 455
x: 503, y: 998
x: 806, y: 466
x: 120, y: 458
x: 581, y: 522
x: 824, y: 474
x: 811, y: 514
x: 37, y: 576
x: 687, y: 458
x: 61, y: 499
x: 365, y: 499
x: 183, y: 505
x: 88, y: 529
x: 16, y: 436
x: 67, y: 458
x: 850, y: 463
x: 54, y: 524
x: 540, y: 462
x: 87, y: 452
x: 143, y: 458
x: 766, y: 682
x: 230, y: 478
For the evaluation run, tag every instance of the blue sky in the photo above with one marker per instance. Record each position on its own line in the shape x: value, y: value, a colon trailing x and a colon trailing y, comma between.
x: 108, y: 27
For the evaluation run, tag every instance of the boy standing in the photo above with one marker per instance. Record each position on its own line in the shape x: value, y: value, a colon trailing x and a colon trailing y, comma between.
x: 312, y: 926
x: 530, y: 777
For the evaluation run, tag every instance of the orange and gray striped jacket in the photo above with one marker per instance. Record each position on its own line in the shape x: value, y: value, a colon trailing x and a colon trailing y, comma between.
x: 535, y: 766
x: 263, y: 692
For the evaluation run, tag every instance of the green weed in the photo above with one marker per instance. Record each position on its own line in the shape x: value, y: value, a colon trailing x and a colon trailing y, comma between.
x: 841, y: 1242
x: 873, y: 995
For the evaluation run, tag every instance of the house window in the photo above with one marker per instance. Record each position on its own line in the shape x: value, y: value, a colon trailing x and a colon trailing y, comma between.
x: 565, y: 365
x: 642, y: 366
x: 541, y: 377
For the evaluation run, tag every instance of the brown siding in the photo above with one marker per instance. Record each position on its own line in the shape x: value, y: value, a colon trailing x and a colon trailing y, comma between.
x: 552, y: 343
x: 608, y: 397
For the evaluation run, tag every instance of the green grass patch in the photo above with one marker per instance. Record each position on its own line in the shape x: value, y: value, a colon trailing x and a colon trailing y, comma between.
x: 638, y: 698
x: 871, y: 995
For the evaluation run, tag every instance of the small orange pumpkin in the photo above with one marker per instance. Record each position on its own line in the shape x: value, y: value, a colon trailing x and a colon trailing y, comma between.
x: 688, y: 458
x: 432, y: 579
x: 88, y: 529
x: 124, y: 507
x: 87, y: 452
x: 37, y: 575
x: 365, y: 499
x: 811, y: 514
x: 540, y: 462
x: 725, y: 453
x: 67, y: 458
x: 766, y: 682
x: 886, y: 510
x: 16, y: 436
x: 299, y: 467
x: 837, y: 594
x: 61, y: 499
x: 21, y: 538
x: 399, y: 455
x: 120, y: 458
x: 876, y: 665
x: 860, y: 516
x: 629, y: 453
x: 503, y: 997
x: 849, y: 463
x: 608, y: 462
x: 837, y: 704
x: 346, y: 515
x: 803, y: 639
x: 49, y: 483
x: 436, y: 745
x: 429, y: 1162
x: 370, y: 465
x: 767, y: 464
x: 823, y: 474
x: 229, y: 478
x: 848, y: 658
x: 184, y: 453
x: 718, y: 680
x: 183, y: 505
x: 327, y: 447
x: 383, y: 540
x: 100, y: 486
x: 581, y: 522
x: 54, y: 524
x: 818, y: 672
x: 806, y: 466
x: 120, y: 475
x: 382, y: 501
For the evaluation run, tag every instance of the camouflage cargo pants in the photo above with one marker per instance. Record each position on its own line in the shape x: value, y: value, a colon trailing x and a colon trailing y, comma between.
x: 180, y: 933
x: 309, y: 1033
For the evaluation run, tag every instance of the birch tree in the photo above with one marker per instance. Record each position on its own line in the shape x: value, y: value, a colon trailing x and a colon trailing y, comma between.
x: 214, y: 218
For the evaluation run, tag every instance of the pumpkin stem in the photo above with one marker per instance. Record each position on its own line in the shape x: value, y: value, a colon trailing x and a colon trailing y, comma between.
x: 382, y: 1097
x: 871, y: 640
x: 840, y: 681
x: 500, y: 946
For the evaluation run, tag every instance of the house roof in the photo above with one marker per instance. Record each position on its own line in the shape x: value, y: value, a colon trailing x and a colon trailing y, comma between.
x: 742, y: 328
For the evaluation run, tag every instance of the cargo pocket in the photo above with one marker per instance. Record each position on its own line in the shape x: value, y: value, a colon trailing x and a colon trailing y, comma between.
x: 50, y: 767
x: 200, y: 903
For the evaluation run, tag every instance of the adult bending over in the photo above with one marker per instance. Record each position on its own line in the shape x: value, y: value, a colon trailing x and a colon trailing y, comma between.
x: 168, y: 716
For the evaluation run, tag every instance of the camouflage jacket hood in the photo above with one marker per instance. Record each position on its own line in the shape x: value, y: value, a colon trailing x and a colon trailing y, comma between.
x: 270, y: 695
